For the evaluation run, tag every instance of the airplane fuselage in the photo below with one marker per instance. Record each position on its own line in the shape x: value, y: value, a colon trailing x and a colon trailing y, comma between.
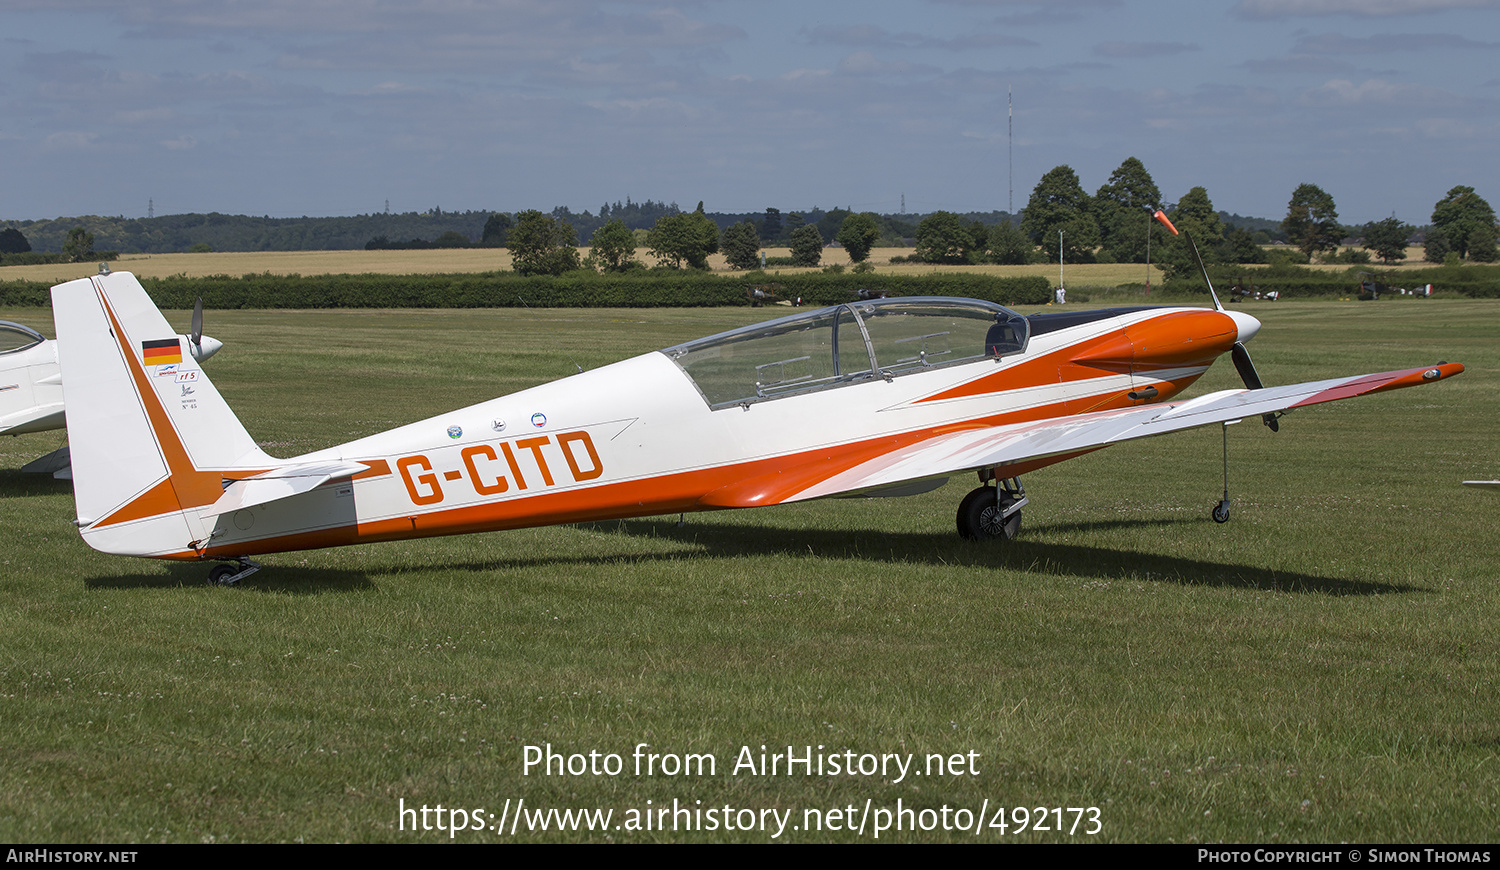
x: 31, y: 397
x: 640, y: 437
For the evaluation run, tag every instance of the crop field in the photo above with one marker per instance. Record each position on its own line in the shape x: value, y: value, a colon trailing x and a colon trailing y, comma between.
x: 1322, y: 668
x: 490, y: 259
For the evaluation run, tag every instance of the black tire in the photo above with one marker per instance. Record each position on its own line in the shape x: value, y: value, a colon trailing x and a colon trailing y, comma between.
x: 222, y: 573
x: 979, y: 516
x: 1221, y: 512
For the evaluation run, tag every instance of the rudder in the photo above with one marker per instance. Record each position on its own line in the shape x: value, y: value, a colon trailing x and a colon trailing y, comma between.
x: 150, y: 436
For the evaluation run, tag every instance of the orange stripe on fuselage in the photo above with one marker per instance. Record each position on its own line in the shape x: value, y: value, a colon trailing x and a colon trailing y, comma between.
x: 742, y: 484
x: 1181, y: 339
x: 1178, y: 339
x: 377, y: 468
x: 1143, y: 347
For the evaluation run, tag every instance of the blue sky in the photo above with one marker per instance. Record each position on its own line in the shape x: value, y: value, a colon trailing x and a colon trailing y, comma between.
x: 291, y: 107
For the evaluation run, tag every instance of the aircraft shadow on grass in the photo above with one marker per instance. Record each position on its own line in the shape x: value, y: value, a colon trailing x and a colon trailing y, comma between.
x: 723, y: 540
x: 14, y: 484
x: 294, y: 579
x: 729, y: 540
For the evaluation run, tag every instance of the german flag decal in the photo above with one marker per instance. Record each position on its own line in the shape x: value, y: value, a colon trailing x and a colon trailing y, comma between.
x: 161, y: 352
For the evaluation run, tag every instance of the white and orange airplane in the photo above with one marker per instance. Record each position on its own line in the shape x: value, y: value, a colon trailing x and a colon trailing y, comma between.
x: 31, y: 391
x: 870, y: 398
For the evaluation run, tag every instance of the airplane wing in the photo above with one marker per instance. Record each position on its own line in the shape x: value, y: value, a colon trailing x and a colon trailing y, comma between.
x: 35, y: 419
x: 1008, y: 445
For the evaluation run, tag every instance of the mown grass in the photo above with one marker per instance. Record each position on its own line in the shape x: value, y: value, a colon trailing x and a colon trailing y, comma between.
x: 1322, y: 668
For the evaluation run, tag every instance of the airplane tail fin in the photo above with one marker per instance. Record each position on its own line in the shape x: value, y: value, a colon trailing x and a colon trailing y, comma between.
x: 150, y: 438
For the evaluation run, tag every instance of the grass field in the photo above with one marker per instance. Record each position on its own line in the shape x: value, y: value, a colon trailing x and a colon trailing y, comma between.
x: 490, y: 259
x: 1320, y: 669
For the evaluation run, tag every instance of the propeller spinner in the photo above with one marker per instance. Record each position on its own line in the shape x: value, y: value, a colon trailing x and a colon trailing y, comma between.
x: 1246, y: 325
x: 201, y: 346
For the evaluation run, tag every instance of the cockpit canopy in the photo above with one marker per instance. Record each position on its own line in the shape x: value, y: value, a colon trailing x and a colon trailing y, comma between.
x: 847, y: 344
x: 15, y: 338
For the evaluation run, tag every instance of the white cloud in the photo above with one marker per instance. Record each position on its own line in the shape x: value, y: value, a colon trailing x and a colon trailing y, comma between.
x: 155, y: 115
x: 1143, y: 49
x: 864, y: 63
x: 868, y: 35
x: 1365, y: 8
x: 1373, y: 92
x: 74, y: 140
x: 1385, y: 43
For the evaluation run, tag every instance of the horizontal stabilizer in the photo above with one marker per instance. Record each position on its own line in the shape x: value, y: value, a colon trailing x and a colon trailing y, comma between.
x: 55, y: 463
x: 35, y: 419
x: 280, y: 483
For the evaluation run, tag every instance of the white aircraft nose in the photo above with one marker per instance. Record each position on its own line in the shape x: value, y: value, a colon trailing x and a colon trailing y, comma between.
x: 211, y: 345
x: 1246, y: 324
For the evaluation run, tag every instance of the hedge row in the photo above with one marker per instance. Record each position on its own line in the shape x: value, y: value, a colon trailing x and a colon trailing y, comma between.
x: 36, y: 258
x: 573, y: 290
x: 1481, y: 282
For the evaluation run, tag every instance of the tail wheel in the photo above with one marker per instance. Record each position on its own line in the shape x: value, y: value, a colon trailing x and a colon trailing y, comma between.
x: 981, y: 516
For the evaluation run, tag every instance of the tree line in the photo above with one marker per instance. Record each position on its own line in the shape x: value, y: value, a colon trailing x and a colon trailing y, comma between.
x: 1115, y: 225
x: 1060, y: 220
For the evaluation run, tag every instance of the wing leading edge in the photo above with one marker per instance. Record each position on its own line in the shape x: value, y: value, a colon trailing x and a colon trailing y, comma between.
x: 1021, y: 442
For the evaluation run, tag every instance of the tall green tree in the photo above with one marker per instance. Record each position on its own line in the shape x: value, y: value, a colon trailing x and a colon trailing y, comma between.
x: 791, y: 223
x: 1387, y: 238
x: 1435, y: 249
x: 1058, y: 203
x: 807, y: 245
x: 80, y: 244
x: 943, y: 238
x: 493, y: 235
x: 542, y: 245
x: 1482, y: 245
x: 613, y: 247
x: 1312, y: 220
x: 1459, y: 215
x: 831, y: 222
x: 741, y: 245
x: 12, y: 241
x: 1240, y: 247
x: 684, y: 239
x: 1120, y: 209
x: 771, y: 226
x: 1009, y: 246
x: 859, y: 234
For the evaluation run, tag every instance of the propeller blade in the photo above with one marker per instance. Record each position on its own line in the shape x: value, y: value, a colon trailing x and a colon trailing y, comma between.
x: 1246, y: 367
x: 199, y: 345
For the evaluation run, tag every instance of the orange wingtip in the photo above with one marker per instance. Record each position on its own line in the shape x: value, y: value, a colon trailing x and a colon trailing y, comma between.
x: 1164, y: 222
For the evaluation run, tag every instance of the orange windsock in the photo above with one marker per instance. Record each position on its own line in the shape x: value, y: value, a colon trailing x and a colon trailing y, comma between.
x: 1164, y: 222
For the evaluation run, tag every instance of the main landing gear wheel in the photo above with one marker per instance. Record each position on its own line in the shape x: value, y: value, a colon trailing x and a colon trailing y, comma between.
x: 982, y: 515
x: 228, y: 575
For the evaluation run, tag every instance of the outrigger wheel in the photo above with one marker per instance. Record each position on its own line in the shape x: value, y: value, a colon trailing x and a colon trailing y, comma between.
x: 992, y: 513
